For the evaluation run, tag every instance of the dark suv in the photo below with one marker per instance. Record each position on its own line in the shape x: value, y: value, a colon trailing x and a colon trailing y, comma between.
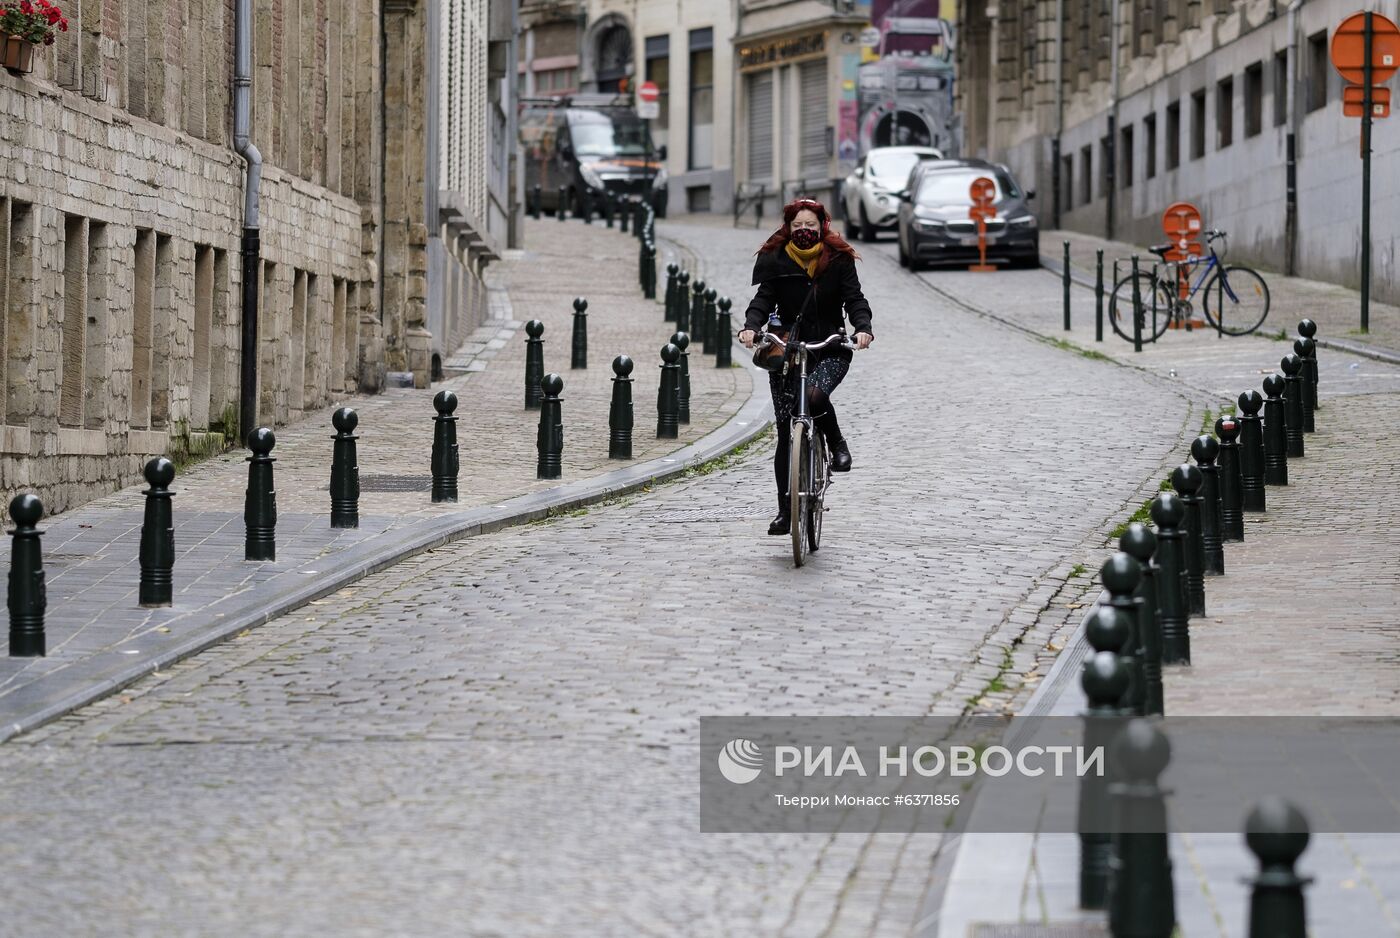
x: 933, y: 216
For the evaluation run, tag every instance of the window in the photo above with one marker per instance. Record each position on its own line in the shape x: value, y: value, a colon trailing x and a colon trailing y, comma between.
x: 1318, y: 70
x: 338, y: 346
x: 658, y: 52
x: 296, y: 371
x: 1173, y: 135
x: 1281, y: 88
x: 1067, y: 181
x: 812, y: 91
x: 1149, y: 135
x: 99, y: 314
x: 203, y: 326
x: 142, y: 340
x: 164, y: 323
x: 1254, y: 99
x: 17, y: 286
x: 1198, y: 125
x: 1105, y: 164
x: 760, y: 125
x: 702, y: 98
x: 1086, y: 177
x: 1225, y: 112
x: 1126, y: 161
x: 73, y: 338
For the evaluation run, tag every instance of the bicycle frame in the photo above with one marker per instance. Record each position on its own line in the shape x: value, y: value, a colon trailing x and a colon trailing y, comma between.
x: 799, y: 414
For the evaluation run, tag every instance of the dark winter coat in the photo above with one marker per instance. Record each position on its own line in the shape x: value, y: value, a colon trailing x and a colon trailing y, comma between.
x: 783, y: 285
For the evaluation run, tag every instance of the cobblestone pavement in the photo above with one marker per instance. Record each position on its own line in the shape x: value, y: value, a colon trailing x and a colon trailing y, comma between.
x: 499, y: 737
x: 91, y: 552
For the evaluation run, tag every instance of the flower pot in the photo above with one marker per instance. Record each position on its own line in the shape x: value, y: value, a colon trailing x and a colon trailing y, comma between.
x: 18, y: 54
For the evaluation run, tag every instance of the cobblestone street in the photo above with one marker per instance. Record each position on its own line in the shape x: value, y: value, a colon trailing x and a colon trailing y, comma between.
x: 500, y: 736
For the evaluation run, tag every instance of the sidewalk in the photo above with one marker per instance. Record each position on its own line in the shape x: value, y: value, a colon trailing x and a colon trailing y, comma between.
x: 1335, y: 309
x: 99, y: 639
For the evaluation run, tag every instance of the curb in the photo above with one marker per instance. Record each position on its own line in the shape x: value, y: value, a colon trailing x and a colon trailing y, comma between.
x: 1374, y: 352
x: 104, y: 674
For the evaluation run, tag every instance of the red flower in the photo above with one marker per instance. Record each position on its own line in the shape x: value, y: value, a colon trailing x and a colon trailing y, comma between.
x: 26, y: 7
x: 63, y: 25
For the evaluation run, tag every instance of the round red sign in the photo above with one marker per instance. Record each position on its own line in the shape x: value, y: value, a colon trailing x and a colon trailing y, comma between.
x: 648, y: 92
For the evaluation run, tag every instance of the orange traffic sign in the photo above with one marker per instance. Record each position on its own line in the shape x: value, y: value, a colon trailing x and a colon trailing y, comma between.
x: 983, y: 193
x: 1181, y: 220
x: 1354, y: 101
x: 1349, y: 48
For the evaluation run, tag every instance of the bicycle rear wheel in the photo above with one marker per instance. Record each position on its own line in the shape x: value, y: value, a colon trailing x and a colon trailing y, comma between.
x: 1154, y: 316
x: 820, y: 475
x: 799, y: 482
x: 1236, y: 300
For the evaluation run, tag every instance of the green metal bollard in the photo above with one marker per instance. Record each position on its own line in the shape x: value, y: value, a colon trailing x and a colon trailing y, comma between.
x: 1275, y: 432
x: 1204, y: 449
x: 157, y: 555
x: 534, y: 363
x: 681, y: 341
x: 1292, y: 365
x: 1104, y: 679
x: 260, y: 500
x: 1308, y: 330
x: 1168, y: 512
x: 560, y: 209
x: 697, y: 304
x: 1065, y: 278
x: 620, y: 414
x: 680, y: 314
x: 1251, y: 452
x: 1277, y: 834
x: 579, y: 357
x: 549, y: 442
x: 444, y: 462
x: 1231, y: 489
x: 670, y: 305
x: 27, y: 598
x: 1121, y: 575
x: 724, y: 338
x: 1137, y: 308
x: 1186, y: 479
x: 1306, y: 350
x: 345, y: 470
x: 707, y: 321
x: 1141, y: 903
x: 1098, y: 296
x: 667, y: 420
x: 1141, y: 544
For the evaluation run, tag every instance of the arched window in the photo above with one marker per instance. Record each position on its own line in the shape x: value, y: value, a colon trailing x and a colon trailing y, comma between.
x: 614, y: 57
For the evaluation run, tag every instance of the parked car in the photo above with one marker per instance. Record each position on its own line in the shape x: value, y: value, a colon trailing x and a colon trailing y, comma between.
x: 590, y: 144
x: 934, y: 225
x: 871, y: 192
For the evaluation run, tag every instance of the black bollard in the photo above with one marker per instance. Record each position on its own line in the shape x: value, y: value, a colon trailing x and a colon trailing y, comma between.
x: 539, y: 202
x: 1275, y: 432
x: 1168, y: 512
x: 1231, y: 490
x: 683, y: 291
x: 1098, y: 297
x: 620, y: 414
x: 651, y: 269
x: 1204, y: 449
x: 642, y: 266
x: 609, y: 200
x: 672, y: 270
x: 1064, y: 277
x: 550, y: 439
x: 624, y: 214
x: 1186, y: 479
x: 579, y: 358
x: 1141, y: 903
x: 1292, y: 365
x: 1277, y: 834
x: 707, y: 322
x: 1251, y: 452
x: 157, y: 555
x: 1308, y: 330
x: 345, y: 471
x: 1121, y: 575
x: 585, y: 205
x: 681, y: 341
x: 1105, y: 680
x: 724, y: 339
x: 1141, y: 544
x: 445, y: 448
x: 667, y: 420
x: 260, y: 500
x: 697, y: 304
x: 1137, y: 308
x: 534, y: 363
x: 27, y: 598
x: 560, y: 209
x: 1307, y: 351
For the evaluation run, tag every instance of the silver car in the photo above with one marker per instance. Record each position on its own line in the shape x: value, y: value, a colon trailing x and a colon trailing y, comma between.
x: 870, y: 195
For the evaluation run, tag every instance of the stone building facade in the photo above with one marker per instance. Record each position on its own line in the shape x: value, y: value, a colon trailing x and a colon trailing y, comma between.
x: 1230, y: 104
x: 121, y: 210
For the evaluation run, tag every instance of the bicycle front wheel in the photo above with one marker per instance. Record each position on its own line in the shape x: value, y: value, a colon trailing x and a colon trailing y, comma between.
x: 1154, y: 316
x: 799, y: 483
x: 1236, y: 300
x: 814, y: 501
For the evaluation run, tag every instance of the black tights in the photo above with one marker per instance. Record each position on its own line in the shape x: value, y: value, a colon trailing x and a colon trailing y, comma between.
x: 822, y: 379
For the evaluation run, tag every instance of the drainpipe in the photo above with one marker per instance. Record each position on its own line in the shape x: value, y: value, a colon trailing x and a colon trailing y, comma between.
x: 1111, y: 151
x: 242, y: 119
x: 1290, y: 147
x: 1055, y: 143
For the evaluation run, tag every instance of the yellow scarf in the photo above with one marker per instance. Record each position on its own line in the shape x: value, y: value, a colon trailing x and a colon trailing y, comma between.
x: 806, y: 259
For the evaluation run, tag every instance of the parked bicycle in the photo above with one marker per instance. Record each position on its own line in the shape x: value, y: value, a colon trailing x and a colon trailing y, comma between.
x: 809, y: 471
x: 1234, y: 298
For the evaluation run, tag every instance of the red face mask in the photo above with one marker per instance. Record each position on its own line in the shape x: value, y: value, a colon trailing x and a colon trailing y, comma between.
x: 806, y: 238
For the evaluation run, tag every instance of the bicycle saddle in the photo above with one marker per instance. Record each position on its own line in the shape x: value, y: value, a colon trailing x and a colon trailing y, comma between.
x: 1161, y: 249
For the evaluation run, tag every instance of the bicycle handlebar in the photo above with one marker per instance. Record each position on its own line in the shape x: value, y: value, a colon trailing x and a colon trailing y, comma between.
x: 768, y: 338
x: 1213, y: 234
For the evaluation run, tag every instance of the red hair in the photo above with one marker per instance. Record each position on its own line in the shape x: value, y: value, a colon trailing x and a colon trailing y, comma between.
x: 832, y: 243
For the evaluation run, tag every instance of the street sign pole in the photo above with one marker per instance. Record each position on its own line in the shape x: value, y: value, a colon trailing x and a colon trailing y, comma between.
x: 1366, y: 180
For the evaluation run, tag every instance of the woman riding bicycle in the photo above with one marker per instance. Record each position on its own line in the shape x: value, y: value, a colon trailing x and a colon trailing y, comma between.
x: 807, y: 272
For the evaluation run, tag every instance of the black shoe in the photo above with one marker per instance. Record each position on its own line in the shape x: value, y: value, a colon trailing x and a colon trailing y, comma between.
x: 781, y: 524
x: 840, y: 457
